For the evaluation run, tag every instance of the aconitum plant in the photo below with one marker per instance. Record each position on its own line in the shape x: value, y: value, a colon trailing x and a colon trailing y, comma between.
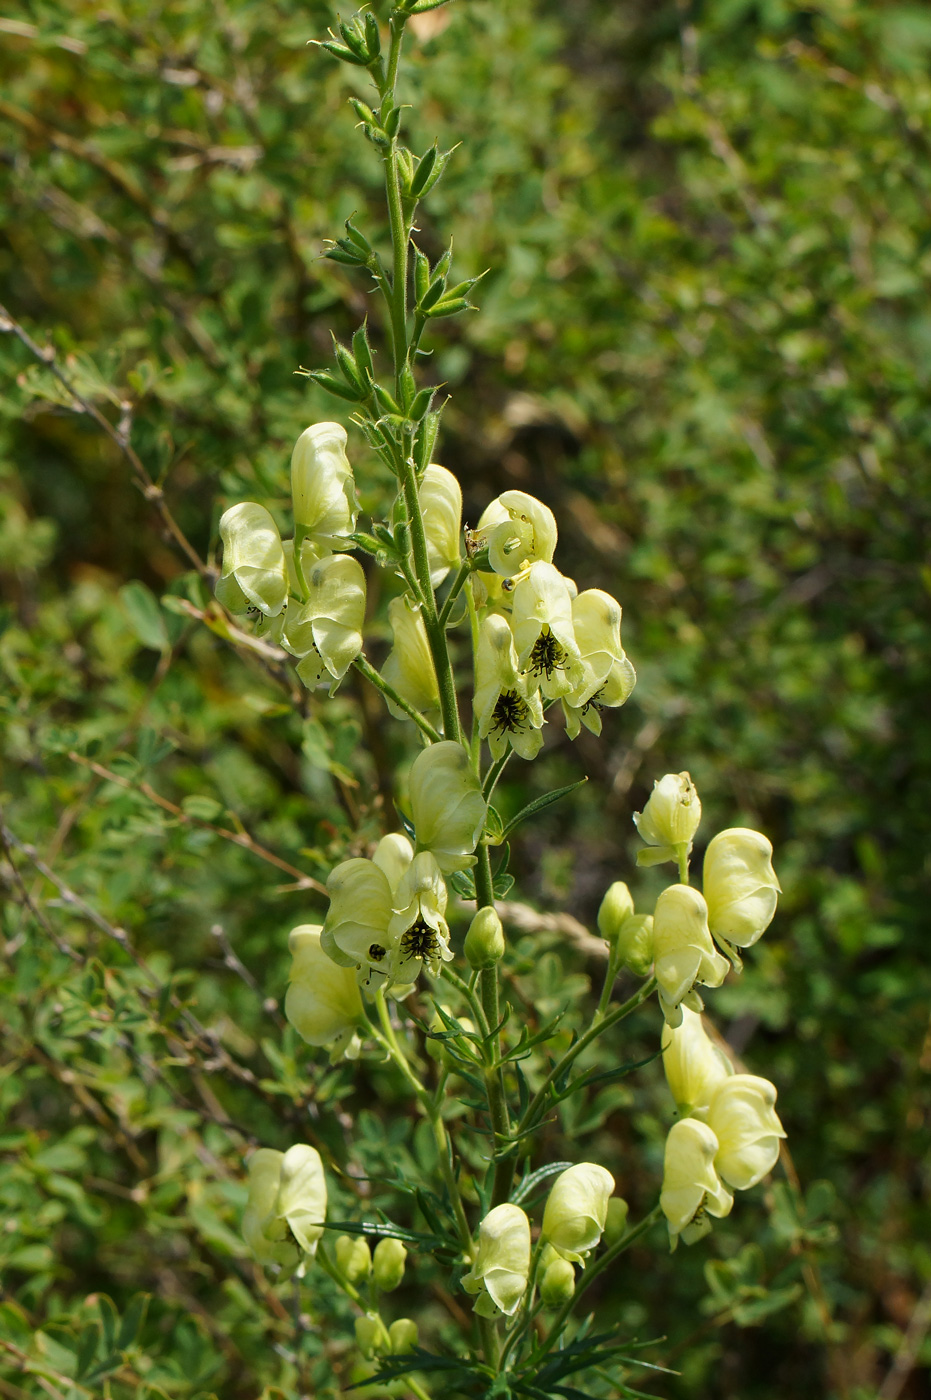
x: 538, y: 646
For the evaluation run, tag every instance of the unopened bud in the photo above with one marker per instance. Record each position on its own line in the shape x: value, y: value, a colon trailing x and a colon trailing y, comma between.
x: 372, y: 1335
x: 615, y: 1220
x: 616, y: 907
x: 484, y: 943
x: 388, y: 1264
x: 403, y: 1334
x: 353, y: 1257
x: 558, y: 1283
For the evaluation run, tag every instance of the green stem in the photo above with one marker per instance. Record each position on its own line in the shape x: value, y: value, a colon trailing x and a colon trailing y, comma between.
x: 494, y: 1078
x: 610, y: 979
x: 488, y: 1331
x: 380, y: 684
x: 682, y: 854
x: 494, y: 773
x: 589, y: 1276
x: 475, y: 1006
x: 611, y: 1019
x: 390, y: 1042
x: 328, y: 1267
x: 465, y: 569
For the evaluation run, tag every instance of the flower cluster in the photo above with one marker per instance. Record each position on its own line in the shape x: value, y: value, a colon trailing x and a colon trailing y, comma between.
x: 310, y: 597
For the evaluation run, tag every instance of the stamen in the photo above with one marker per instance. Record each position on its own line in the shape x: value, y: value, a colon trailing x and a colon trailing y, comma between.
x: 420, y: 941
x: 377, y: 952
x: 547, y: 655
x: 510, y: 712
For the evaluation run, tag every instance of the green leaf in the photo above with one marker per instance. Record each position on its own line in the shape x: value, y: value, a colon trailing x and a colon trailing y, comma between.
x: 132, y: 1321
x: 144, y: 614
x: 540, y: 803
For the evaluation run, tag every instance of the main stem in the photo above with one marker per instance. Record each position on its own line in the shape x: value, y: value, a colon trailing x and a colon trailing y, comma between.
x: 494, y: 1078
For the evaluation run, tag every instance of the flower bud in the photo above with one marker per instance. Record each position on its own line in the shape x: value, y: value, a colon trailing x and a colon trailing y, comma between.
x: 403, y: 1336
x: 558, y: 1283
x: 576, y: 1209
x: 322, y: 1001
x: 254, y: 572
x: 409, y: 665
x: 694, y: 1065
x: 616, y: 907
x: 322, y: 488
x: 616, y: 1220
x: 502, y: 1260
x: 353, y: 1257
x: 740, y: 886
x: 669, y: 819
x: 388, y: 1264
x: 484, y: 942
x: 372, y: 1337
x: 743, y: 1118
x: 326, y: 629
x: 683, y: 952
x: 447, y: 805
x: 692, y: 1189
x: 441, y: 505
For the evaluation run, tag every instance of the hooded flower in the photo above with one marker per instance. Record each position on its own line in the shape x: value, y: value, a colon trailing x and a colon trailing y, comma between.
x: 322, y: 488
x: 447, y: 805
x: 543, y: 633
x: 409, y: 665
x: 575, y: 1212
x: 740, y: 887
x: 326, y: 630
x: 683, y: 952
x: 518, y: 529
x: 287, y: 1204
x: 386, y: 914
x: 502, y: 1261
x: 669, y: 820
x: 441, y: 505
x: 743, y: 1117
x: 692, y: 1189
x: 254, y: 574
x: 607, y: 676
x: 508, y: 712
x: 694, y: 1065
x: 322, y: 1002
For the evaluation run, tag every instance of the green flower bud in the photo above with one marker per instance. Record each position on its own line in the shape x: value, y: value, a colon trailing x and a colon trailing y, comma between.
x: 322, y: 488
x: 692, y: 1189
x: 447, y: 805
x: 353, y: 1257
x: 576, y: 1209
x: 558, y: 1283
x: 484, y: 942
x: 403, y: 1335
x: 502, y: 1261
x: 254, y: 571
x: 615, y: 1220
x: 670, y: 818
x: 616, y: 907
x: 322, y: 1001
x: 372, y: 1337
x: 388, y: 1264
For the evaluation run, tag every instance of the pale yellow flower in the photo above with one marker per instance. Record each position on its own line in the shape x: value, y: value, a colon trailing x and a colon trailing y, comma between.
x: 574, y: 1216
x: 409, y: 665
x: 447, y: 805
x: 743, y: 1117
x: 287, y: 1203
x: 502, y: 1261
x: 541, y: 620
x: 694, y: 1065
x: 322, y: 488
x: 692, y: 1190
x: 325, y: 631
x: 740, y: 886
x: 254, y: 575
x: 441, y: 506
x: 509, y: 712
x: 683, y: 953
x: 322, y: 1001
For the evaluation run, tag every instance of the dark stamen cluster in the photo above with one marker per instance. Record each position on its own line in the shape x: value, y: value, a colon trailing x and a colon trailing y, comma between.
x: 510, y: 713
x: 377, y: 952
x: 595, y: 702
x: 547, y: 655
x: 420, y: 941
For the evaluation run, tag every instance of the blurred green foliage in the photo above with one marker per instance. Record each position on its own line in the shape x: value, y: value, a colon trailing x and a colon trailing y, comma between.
x: 704, y: 341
